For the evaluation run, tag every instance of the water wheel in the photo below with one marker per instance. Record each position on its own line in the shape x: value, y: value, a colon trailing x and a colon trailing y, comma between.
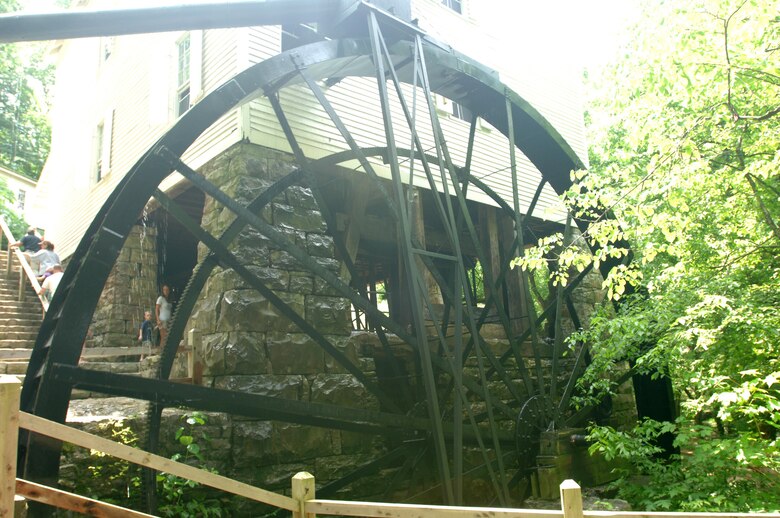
x: 467, y: 407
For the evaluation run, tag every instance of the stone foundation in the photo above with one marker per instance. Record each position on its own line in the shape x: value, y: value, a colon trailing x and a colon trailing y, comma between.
x: 131, y: 289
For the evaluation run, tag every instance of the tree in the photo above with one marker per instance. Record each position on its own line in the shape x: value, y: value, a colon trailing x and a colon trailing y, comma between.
x: 15, y: 222
x: 685, y: 152
x: 24, y: 131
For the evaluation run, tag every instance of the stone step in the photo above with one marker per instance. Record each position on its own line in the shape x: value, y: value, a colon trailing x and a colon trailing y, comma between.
x: 15, y: 305
x: 21, y: 319
x: 7, y: 328
x: 13, y: 296
x: 7, y: 367
x: 25, y: 334
x: 16, y: 344
x: 16, y: 354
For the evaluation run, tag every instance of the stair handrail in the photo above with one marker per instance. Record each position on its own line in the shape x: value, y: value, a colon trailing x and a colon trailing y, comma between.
x: 24, y: 267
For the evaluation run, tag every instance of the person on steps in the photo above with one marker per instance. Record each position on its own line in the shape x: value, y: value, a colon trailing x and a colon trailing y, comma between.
x: 51, y: 282
x: 163, y: 312
x: 30, y: 243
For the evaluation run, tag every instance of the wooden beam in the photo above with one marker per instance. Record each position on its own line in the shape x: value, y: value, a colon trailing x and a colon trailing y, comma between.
x: 10, y: 390
x: 385, y: 510
x: 72, y: 502
x: 65, y: 433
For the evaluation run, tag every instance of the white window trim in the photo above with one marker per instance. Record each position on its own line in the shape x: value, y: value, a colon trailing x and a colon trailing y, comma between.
x: 196, y: 66
x: 104, y: 147
x: 195, y: 83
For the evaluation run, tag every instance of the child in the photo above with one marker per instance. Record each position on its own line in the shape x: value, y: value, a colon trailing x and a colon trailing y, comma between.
x: 145, y: 333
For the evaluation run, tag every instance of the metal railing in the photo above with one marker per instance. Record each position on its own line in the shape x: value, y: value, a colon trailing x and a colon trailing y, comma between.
x: 25, y: 270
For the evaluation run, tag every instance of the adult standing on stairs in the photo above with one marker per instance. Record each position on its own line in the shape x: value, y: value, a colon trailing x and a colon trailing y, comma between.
x: 30, y: 242
x: 163, y: 309
x: 52, y: 281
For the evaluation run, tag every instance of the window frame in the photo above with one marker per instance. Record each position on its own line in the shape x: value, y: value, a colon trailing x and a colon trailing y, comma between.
x: 453, y: 5
x: 183, y: 91
x: 104, y: 133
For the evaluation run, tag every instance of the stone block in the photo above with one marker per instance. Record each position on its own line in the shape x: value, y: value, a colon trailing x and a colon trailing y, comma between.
x: 298, y: 442
x: 292, y: 234
x: 287, y: 387
x: 204, y: 315
x: 332, y: 468
x: 248, y: 188
x: 284, y: 260
x: 348, y: 348
x: 321, y: 287
x: 301, y: 282
x: 245, y: 354
x: 274, y: 278
x: 355, y: 442
x: 279, y: 167
x: 252, y: 443
x: 330, y: 315
x: 342, y: 390
x: 277, y: 477
x: 295, y: 354
x: 320, y: 245
x: 307, y: 220
x: 301, y: 197
x: 247, y: 310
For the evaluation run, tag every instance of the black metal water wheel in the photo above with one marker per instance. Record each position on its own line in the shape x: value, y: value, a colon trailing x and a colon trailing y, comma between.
x: 455, y: 410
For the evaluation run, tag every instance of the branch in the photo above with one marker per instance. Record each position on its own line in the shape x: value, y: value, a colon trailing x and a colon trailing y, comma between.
x: 758, y: 118
x: 764, y: 210
x: 759, y: 246
x: 726, y: 23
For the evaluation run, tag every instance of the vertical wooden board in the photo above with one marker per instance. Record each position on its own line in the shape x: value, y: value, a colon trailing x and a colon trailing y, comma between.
x: 10, y: 390
x: 571, y: 499
x: 303, y: 489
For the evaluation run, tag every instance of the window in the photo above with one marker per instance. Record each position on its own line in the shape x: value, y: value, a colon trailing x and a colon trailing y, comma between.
x: 183, y: 75
x: 20, y: 199
x: 107, y: 47
x: 461, y: 112
x: 295, y: 35
x: 103, y: 144
x: 455, y: 5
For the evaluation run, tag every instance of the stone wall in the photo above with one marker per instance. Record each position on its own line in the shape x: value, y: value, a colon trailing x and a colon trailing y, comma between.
x: 131, y: 289
x: 247, y: 346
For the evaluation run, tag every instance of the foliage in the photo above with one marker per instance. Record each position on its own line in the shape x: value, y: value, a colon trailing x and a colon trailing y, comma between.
x: 109, y: 479
x: 24, y: 82
x: 119, y: 482
x: 15, y: 222
x: 182, y: 497
x: 684, y: 165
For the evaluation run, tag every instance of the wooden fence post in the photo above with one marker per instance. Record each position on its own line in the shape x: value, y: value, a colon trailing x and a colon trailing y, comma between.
x: 194, y: 363
x: 302, y: 490
x: 8, y: 263
x: 571, y: 499
x: 10, y: 390
x: 22, y: 277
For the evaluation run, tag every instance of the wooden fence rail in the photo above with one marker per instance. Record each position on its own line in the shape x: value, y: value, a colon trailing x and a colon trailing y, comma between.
x: 303, y: 503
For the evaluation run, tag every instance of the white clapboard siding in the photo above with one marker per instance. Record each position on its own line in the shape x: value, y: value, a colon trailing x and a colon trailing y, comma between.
x: 136, y: 82
x: 356, y: 101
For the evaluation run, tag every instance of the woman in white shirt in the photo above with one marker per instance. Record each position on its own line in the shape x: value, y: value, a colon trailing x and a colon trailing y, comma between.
x: 163, y: 309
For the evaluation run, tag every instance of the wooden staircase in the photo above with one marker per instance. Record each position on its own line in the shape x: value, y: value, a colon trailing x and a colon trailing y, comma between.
x: 19, y: 320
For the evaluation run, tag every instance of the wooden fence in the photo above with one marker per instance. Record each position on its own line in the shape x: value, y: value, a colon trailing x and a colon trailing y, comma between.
x: 302, y: 503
